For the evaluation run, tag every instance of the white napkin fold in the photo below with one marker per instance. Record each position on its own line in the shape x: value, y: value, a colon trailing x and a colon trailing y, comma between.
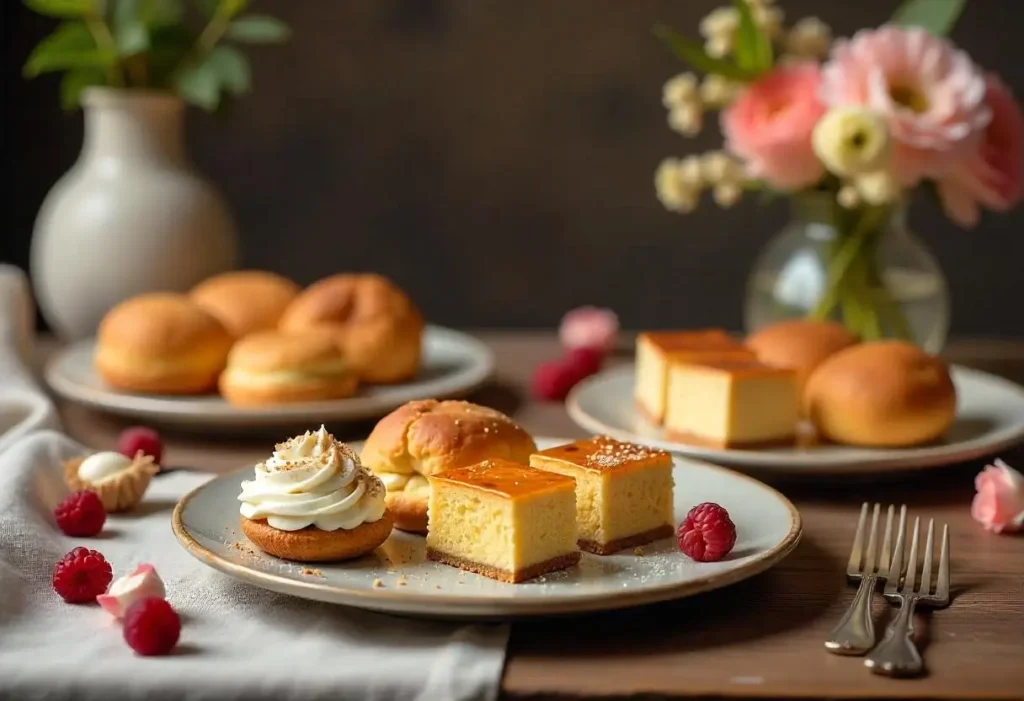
x: 237, y: 641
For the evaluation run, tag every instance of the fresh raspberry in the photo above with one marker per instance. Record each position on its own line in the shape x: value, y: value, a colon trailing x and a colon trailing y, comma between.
x: 81, y: 514
x: 81, y: 576
x: 707, y: 534
x: 151, y: 627
x: 553, y: 380
x: 137, y: 438
x: 584, y: 361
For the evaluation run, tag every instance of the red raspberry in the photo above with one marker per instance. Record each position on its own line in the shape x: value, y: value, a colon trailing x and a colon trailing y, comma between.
x: 151, y: 627
x: 81, y: 514
x: 707, y: 534
x: 137, y: 438
x: 81, y: 576
x: 584, y: 361
x: 553, y: 380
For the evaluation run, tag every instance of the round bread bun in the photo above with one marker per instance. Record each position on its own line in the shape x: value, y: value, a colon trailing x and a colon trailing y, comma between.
x: 314, y: 545
x: 247, y: 300
x: 375, y: 324
x: 161, y: 343
x: 271, y: 367
x: 884, y: 394
x: 799, y: 344
x: 426, y: 437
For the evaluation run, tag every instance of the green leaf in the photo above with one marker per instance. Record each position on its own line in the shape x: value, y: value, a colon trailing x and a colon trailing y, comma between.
x: 70, y: 46
x: 207, y: 7
x: 258, y: 29
x: 232, y: 69
x: 691, y: 52
x: 153, y: 12
x: 753, y: 47
x: 129, y: 29
x: 935, y: 16
x: 65, y: 9
x: 170, y: 45
x: 230, y: 8
x: 200, y: 85
x: 75, y: 81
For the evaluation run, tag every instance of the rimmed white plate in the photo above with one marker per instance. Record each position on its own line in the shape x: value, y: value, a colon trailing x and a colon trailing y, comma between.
x: 453, y: 364
x: 768, y: 528
x: 990, y: 418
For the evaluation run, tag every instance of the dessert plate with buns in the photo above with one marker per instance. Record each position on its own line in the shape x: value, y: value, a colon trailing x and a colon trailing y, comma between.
x: 251, y: 348
x: 801, y: 397
x: 498, y: 524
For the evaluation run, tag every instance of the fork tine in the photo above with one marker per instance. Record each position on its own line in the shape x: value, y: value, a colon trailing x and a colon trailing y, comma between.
x: 856, y: 553
x: 942, y: 582
x: 911, y: 578
x: 892, y: 580
x: 870, y: 558
x: 926, y: 568
x: 885, y: 557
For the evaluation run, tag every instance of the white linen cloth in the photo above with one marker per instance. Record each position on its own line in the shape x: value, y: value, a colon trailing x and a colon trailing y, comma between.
x: 237, y: 641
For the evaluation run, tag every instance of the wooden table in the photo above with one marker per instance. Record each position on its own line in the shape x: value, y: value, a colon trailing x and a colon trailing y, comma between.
x: 760, y: 638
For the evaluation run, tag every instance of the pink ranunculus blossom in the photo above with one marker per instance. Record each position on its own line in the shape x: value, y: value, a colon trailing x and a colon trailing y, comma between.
x: 999, y: 503
x: 770, y: 124
x: 931, y: 95
x: 589, y: 327
x: 992, y: 176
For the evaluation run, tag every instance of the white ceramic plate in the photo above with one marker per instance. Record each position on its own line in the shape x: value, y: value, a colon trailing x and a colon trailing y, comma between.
x: 990, y: 417
x: 768, y: 528
x: 453, y: 364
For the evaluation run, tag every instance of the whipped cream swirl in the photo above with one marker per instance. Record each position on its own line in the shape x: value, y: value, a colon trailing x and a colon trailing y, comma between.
x: 313, y: 480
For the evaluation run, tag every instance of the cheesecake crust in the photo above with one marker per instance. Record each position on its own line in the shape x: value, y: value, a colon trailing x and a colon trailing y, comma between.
x: 557, y: 563
x: 614, y: 546
x: 702, y: 442
x: 646, y: 413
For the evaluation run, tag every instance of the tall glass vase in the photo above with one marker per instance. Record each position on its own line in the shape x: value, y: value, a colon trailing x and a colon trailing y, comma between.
x: 861, y: 267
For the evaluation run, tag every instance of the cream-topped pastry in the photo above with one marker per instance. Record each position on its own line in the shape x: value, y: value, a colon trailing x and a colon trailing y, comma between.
x: 313, y: 480
x: 118, y: 481
x: 103, y: 466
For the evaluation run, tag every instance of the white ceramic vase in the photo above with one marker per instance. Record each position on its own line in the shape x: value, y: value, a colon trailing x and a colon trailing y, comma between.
x: 131, y: 215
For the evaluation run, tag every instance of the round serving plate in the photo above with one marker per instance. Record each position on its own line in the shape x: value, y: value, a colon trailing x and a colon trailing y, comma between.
x: 453, y: 364
x: 990, y: 418
x: 767, y: 524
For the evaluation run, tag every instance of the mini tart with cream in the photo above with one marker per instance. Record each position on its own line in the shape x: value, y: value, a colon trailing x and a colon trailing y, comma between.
x: 313, y: 501
x: 270, y: 367
x: 119, y: 481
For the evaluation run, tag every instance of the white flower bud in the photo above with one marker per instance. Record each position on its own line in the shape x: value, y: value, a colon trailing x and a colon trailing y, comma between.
x: 691, y: 173
x: 679, y: 91
x: 686, y: 119
x: 848, y: 197
x: 673, y: 191
x: 768, y: 19
x: 809, y: 38
x: 719, y: 167
x: 721, y: 22
x: 727, y: 194
x: 719, y: 47
x: 851, y: 140
x: 877, y: 188
x: 719, y: 91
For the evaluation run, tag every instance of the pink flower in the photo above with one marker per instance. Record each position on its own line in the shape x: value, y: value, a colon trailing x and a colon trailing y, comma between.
x: 589, y: 327
x: 931, y: 95
x: 999, y: 503
x: 992, y: 175
x: 770, y: 124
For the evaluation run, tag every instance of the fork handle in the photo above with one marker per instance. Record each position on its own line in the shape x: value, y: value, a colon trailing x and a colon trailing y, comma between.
x: 896, y: 655
x: 855, y: 632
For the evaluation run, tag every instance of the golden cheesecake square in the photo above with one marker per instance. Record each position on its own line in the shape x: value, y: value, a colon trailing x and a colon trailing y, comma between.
x: 656, y: 349
x: 623, y: 491
x: 502, y: 520
x: 732, y: 404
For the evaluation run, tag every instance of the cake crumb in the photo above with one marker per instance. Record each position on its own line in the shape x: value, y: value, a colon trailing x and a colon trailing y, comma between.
x: 377, y: 584
x: 437, y: 586
x: 638, y: 551
x: 402, y: 581
x: 312, y: 572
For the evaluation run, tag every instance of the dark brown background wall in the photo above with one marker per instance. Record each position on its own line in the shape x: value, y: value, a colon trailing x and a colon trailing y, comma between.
x: 496, y: 158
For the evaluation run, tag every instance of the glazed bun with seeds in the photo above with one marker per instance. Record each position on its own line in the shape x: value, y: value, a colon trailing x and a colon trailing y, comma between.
x: 884, y: 394
x: 246, y: 301
x: 424, y: 438
x: 313, y: 501
x: 270, y: 367
x: 374, y: 323
x: 161, y: 343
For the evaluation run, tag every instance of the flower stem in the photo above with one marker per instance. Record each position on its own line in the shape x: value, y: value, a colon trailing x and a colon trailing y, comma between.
x: 849, y: 251
x: 105, y: 40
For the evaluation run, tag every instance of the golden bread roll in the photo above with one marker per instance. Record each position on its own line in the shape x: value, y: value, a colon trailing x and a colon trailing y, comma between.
x: 881, y: 394
x: 426, y: 437
x: 247, y: 300
x: 271, y: 367
x: 799, y: 344
x: 375, y: 324
x: 161, y: 343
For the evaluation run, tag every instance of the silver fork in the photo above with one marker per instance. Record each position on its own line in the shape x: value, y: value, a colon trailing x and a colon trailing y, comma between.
x: 855, y: 632
x: 897, y: 655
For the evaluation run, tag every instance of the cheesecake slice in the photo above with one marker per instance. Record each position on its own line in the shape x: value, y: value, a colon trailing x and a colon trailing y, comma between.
x: 502, y: 520
x: 656, y: 349
x: 623, y: 491
x: 732, y: 404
